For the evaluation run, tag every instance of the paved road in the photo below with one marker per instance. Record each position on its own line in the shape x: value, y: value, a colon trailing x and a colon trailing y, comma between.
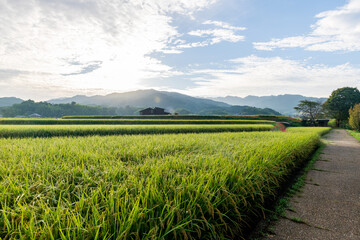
x: 330, y: 202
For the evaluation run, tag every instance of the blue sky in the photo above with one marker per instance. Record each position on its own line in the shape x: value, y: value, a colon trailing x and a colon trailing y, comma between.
x: 206, y: 48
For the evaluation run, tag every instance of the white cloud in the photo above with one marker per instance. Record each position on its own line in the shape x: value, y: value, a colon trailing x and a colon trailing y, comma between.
x: 254, y: 75
x: 335, y: 30
x: 96, y: 43
x: 218, y: 35
x: 224, y: 25
x: 224, y: 33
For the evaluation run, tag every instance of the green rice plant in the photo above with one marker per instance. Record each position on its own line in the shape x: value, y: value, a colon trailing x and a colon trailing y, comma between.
x: 183, y: 186
x: 194, y: 117
x: 319, y: 130
x: 50, y: 121
x: 15, y: 131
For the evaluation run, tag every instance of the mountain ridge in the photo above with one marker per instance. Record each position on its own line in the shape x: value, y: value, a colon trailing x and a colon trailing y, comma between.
x: 184, y: 104
x: 9, y: 101
x: 171, y: 101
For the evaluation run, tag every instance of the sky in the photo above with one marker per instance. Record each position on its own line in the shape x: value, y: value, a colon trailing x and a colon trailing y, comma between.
x: 206, y: 48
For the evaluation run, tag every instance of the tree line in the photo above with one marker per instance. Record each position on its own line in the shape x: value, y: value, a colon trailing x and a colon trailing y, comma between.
x: 343, y: 105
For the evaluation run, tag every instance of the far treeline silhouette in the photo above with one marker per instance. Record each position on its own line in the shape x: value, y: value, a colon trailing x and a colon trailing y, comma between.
x: 44, y: 109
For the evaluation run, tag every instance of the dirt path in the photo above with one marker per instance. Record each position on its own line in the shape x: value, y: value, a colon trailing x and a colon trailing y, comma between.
x: 329, y: 204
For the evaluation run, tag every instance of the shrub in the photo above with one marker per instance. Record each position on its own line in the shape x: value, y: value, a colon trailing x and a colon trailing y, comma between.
x: 332, y: 123
x: 354, y: 117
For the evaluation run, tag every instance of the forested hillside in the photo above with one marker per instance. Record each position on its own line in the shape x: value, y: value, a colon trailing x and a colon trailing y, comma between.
x: 45, y: 109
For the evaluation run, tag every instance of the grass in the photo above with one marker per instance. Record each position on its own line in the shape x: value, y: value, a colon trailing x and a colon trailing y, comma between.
x: 50, y: 121
x: 16, y: 131
x: 355, y: 134
x: 297, y: 220
x: 184, y: 186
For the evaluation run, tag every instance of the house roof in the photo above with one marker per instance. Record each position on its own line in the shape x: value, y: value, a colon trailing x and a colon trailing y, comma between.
x: 149, y: 108
x: 146, y: 109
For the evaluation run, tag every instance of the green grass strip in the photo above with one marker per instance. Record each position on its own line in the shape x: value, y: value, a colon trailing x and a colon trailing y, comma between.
x: 355, y: 134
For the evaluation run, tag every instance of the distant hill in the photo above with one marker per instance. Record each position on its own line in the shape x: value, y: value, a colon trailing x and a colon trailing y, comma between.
x: 44, y: 109
x: 171, y: 101
x: 282, y: 103
x: 9, y: 101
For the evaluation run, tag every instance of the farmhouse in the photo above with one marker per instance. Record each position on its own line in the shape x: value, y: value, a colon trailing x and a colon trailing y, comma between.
x: 153, y: 111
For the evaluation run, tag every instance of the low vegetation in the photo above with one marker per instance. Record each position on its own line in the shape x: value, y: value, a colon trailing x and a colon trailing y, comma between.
x: 193, y: 186
x: 16, y: 131
x: 355, y: 134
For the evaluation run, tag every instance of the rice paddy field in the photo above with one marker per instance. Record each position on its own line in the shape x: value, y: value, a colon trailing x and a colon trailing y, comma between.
x: 16, y: 131
x: 52, y: 121
x: 155, y: 186
x: 193, y: 117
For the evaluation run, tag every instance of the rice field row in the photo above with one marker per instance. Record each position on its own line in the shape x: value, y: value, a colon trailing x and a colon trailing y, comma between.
x: 17, y: 131
x: 50, y: 121
x: 319, y: 130
x: 193, y: 117
x: 183, y: 186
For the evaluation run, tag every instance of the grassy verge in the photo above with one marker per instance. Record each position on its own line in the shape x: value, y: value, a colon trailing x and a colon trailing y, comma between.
x: 20, y: 131
x: 355, y: 134
x: 193, y: 186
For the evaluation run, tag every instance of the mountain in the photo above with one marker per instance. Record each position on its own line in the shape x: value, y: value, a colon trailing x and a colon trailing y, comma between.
x: 9, y: 101
x: 282, y: 103
x: 171, y: 101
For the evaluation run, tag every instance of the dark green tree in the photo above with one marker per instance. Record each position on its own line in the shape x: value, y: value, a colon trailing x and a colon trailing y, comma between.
x: 311, y: 110
x: 340, y: 101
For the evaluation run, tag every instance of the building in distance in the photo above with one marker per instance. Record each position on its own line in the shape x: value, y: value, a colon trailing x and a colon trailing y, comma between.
x: 153, y: 111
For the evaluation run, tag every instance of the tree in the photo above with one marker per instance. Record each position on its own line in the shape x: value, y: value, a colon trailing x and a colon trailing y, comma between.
x: 354, y: 117
x: 340, y: 101
x: 309, y: 110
